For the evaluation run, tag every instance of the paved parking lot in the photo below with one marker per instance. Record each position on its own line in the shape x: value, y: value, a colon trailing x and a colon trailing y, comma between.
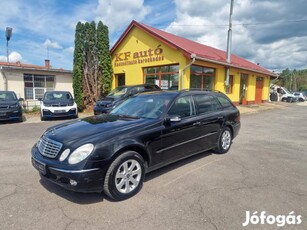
x: 265, y: 170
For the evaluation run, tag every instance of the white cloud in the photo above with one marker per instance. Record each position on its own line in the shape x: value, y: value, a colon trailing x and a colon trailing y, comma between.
x: 116, y: 14
x: 262, y: 30
x: 50, y: 44
x: 13, y: 57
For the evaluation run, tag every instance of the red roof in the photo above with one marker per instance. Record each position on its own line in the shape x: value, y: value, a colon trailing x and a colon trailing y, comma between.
x: 20, y: 65
x: 190, y: 47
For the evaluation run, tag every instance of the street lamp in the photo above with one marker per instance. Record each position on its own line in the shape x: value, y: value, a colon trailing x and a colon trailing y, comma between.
x: 8, y: 34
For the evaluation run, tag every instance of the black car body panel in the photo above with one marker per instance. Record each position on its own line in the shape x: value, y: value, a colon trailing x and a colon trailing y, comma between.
x: 106, y: 104
x: 158, y: 139
x: 10, y: 108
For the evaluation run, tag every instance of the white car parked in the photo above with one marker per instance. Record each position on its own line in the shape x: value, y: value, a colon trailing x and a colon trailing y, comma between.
x: 300, y: 96
x: 58, y: 104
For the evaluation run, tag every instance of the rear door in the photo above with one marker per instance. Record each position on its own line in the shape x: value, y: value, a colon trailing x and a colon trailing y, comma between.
x: 211, y: 118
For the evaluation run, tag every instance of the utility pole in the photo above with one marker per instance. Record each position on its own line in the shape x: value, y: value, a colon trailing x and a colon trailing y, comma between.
x: 8, y: 34
x: 229, y: 40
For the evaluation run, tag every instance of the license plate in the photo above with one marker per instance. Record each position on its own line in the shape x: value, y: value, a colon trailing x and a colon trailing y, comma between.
x: 59, y: 111
x: 39, y: 166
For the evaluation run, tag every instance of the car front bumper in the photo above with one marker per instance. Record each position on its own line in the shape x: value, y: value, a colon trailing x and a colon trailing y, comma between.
x: 10, y: 114
x: 79, y: 180
x: 59, y: 112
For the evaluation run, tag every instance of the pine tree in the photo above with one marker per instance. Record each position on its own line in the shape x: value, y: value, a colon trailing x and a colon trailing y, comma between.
x: 92, y: 73
x: 104, y: 57
x: 78, y: 63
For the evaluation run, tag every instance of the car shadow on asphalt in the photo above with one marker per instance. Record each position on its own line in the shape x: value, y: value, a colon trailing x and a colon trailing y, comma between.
x: 75, y: 197
x: 90, y: 198
x: 177, y: 164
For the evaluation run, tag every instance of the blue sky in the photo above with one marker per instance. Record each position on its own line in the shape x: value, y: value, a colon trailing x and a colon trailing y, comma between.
x: 270, y: 32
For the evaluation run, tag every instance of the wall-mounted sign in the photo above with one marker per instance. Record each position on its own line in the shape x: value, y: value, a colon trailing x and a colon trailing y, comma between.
x: 139, y: 57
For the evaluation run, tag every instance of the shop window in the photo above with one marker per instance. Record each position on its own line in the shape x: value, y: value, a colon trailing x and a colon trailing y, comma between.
x: 202, y: 77
x: 166, y: 77
x: 229, y: 87
x: 37, y: 85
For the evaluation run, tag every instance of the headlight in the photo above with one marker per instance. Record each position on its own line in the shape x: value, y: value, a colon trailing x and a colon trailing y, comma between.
x: 14, y: 106
x: 64, y: 154
x: 80, y: 153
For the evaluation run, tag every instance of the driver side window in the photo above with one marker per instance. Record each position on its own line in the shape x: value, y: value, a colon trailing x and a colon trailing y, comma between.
x: 183, y: 107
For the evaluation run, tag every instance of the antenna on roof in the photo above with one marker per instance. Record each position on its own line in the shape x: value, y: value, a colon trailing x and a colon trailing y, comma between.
x: 8, y: 34
x: 229, y: 38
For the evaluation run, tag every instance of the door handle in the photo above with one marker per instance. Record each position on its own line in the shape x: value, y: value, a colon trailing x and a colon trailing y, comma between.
x: 196, y: 123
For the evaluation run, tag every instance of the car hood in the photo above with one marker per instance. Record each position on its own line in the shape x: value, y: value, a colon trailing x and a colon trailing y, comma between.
x: 57, y: 102
x: 106, y: 101
x: 7, y: 103
x: 87, y: 129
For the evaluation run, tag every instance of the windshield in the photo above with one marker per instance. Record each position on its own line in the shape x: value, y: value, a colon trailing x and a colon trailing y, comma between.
x: 7, y: 96
x: 58, y: 96
x: 118, y: 92
x: 150, y: 106
x: 286, y: 90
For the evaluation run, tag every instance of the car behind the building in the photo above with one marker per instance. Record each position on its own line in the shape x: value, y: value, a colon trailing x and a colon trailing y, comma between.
x: 119, y: 94
x: 112, y: 152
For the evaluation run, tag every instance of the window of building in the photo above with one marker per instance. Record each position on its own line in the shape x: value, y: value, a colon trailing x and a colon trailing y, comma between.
x: 166, y: 77
x: 229, y: 87
x: 37, y: 85
x: 202, y: 77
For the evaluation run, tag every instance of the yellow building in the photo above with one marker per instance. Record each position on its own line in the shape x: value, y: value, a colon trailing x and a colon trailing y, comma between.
x: 147, y: 55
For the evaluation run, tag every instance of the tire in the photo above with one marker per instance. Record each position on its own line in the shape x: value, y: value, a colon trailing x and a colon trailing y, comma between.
x: 301, y: 100
x: 125, y: 176
x: 224, y: 141
x: 284, y: 99
x: 42, y: 118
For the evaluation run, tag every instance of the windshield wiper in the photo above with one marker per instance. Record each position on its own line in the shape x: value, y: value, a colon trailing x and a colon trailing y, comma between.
x: 127, y: 116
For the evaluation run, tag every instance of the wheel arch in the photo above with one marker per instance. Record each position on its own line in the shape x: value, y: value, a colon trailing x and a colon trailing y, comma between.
x: 139, y: 149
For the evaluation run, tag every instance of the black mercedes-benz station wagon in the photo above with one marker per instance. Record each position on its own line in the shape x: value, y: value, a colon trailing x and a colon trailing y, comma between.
x: 112, y: 152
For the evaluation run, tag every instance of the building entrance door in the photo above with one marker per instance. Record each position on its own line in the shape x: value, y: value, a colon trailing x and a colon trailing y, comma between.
x: 258, y: 95
x: 120, y: 79
x: 243, y: 85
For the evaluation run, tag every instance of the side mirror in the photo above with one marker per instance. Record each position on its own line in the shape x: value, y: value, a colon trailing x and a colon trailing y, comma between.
x: 21, y: 99
x: 171, y: 119
x: 40, y: 99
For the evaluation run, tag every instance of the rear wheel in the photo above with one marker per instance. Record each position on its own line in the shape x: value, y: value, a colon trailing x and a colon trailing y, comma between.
x: 224, y: 141
x: 125, y: 176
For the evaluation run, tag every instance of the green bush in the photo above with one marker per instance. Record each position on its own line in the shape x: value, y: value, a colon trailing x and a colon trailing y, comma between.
x: 35, y: 109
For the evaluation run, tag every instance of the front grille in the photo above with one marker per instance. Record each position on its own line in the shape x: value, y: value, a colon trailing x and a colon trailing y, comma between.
x: 4, y: 106
x: 49, y: 148
x: 59, y: 105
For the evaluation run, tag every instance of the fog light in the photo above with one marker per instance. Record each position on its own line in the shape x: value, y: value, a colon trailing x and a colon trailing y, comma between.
x: 73, y: 182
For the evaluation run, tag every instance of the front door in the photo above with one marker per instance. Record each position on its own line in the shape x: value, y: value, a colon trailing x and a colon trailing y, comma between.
x: 120, y: 79
x: 178, y: 139
x: 258, y: 96
x: 243, y: 85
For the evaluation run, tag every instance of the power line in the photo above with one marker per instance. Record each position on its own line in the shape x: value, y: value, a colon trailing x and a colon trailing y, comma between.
x: 243, y: 24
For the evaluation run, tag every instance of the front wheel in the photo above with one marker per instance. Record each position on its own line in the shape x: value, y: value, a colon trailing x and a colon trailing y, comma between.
x: 224, y: 141
x: 125, y: 176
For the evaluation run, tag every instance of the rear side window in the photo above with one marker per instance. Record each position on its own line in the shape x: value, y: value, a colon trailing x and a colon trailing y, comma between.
x: 205, y: 103
x: 225, y: 102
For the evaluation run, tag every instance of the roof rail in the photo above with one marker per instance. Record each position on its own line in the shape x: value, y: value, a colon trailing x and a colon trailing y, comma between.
x: 199, y: 89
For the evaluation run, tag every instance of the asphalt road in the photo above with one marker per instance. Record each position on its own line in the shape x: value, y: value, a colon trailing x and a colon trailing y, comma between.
x: 265, y: 170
